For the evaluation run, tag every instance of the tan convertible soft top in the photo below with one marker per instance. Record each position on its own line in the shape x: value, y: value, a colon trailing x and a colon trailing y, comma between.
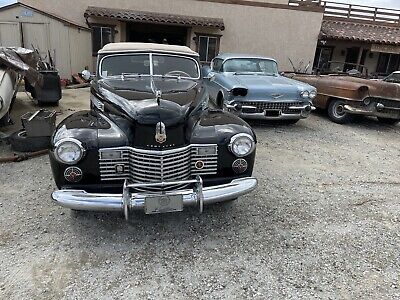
x: 128, y: 47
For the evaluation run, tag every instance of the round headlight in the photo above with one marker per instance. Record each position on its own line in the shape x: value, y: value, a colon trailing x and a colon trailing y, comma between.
x: 242, y: 144
x: 69, y: 151
x: 313, y: 94
x: 305, y: 94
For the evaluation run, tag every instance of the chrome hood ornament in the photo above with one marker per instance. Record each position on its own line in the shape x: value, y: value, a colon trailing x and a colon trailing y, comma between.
x: 161, y: 134
x: 276, y: 96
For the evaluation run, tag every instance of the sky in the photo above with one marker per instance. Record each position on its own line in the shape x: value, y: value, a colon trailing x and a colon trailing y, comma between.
x: 375, y: 3
x: 5, y: 2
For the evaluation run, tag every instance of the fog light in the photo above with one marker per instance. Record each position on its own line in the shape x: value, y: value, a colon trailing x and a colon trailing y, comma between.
x: 239, y: 166
x: 73, y: 174
x: 367, y: 101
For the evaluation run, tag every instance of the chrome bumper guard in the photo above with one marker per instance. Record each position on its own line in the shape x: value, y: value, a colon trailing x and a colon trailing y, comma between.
x: 377, y: 111
x: 128, y: 201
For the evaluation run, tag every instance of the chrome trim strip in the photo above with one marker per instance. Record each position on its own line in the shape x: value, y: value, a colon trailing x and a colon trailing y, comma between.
x: 374, y: 112
x: 261, y: 116
x: 159, y: 152
x: 302, y: 107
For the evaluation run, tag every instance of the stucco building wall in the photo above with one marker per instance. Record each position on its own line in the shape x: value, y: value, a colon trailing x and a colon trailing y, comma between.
x: 274, y: 32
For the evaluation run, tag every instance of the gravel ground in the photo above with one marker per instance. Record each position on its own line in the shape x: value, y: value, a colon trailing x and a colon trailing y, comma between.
x: 324, y: 223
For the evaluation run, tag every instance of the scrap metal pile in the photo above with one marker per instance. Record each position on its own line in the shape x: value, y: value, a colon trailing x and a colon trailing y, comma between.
x: 40, y: 76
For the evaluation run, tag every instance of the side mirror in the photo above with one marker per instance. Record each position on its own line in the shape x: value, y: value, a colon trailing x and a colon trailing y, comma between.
x: 87, y: 75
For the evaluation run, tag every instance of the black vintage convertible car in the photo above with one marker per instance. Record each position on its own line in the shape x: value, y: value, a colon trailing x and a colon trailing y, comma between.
x: 151, y: 141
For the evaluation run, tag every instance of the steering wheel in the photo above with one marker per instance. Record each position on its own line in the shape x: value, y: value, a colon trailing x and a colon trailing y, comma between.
x: 177, y: 73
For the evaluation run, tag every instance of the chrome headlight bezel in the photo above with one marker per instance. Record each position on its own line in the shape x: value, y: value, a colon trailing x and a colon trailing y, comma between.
x: 305, y: 94
x: 236, y: 138
x: 74, y: 141
x: 313, y: 95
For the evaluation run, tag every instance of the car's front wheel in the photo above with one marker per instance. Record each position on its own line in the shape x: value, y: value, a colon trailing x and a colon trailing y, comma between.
x: 388, y: 121
x: 337, y: 113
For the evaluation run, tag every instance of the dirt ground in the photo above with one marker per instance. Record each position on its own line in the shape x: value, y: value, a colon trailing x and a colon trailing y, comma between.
x: 324, y: 223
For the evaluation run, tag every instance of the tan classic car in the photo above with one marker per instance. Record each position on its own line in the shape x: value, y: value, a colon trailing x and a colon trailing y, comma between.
x: 344, y: 95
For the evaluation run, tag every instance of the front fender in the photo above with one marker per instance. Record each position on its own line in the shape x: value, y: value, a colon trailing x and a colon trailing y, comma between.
x: 93, y: 130
x: 218, y: 127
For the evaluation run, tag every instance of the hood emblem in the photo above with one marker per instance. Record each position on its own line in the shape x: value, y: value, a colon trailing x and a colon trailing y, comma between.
x: 276, y: 96
x: 161, y: 134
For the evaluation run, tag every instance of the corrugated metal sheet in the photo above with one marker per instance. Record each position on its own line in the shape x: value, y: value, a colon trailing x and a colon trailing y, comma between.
x: 10, y: 34
x: 70, y: 46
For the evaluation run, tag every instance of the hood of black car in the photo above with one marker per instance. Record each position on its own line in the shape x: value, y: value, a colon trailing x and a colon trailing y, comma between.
x: 136, y: 98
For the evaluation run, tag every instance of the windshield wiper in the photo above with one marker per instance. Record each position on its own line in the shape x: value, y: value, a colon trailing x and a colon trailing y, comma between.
x: 126, y: 75
x: 175, y: 77
x: 255, y: 73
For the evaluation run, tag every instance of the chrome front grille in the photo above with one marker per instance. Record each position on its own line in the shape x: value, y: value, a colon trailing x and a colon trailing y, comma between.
x: 385, y: 102
x: 261, y: 106
x: 147, y: 166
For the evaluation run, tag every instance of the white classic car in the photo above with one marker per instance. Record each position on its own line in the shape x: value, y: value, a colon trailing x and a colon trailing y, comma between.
x: 8, y: 83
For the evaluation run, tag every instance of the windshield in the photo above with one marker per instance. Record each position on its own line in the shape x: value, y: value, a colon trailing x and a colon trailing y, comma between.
x: 139, y: 65
x: 334, y: 67
x: 395, y: 77
x: 250, y: 65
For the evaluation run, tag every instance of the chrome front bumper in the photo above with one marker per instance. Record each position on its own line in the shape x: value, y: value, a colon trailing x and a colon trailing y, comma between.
x: 129, y: 201
x: 391, y: 112
x: 303, y: 113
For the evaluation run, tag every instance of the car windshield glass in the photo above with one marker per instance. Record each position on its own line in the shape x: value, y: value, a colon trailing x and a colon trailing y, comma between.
x: 250, y: 65
x: 334, y: 67
x: 177, y: 66
x: 139, y: 64
x: 117, y: 65
x: 393, y: 78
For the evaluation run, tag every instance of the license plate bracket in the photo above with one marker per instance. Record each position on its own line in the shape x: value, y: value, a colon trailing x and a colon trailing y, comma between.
x: 159, y: 204
x: 272, y: 112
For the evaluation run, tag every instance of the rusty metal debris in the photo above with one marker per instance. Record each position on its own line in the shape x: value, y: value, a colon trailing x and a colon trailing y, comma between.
x: 22, y: 157
x: 22, y: 61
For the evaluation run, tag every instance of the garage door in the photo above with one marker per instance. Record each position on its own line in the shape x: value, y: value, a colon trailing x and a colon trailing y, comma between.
x: 36, y: 35
x: 10, y: 34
